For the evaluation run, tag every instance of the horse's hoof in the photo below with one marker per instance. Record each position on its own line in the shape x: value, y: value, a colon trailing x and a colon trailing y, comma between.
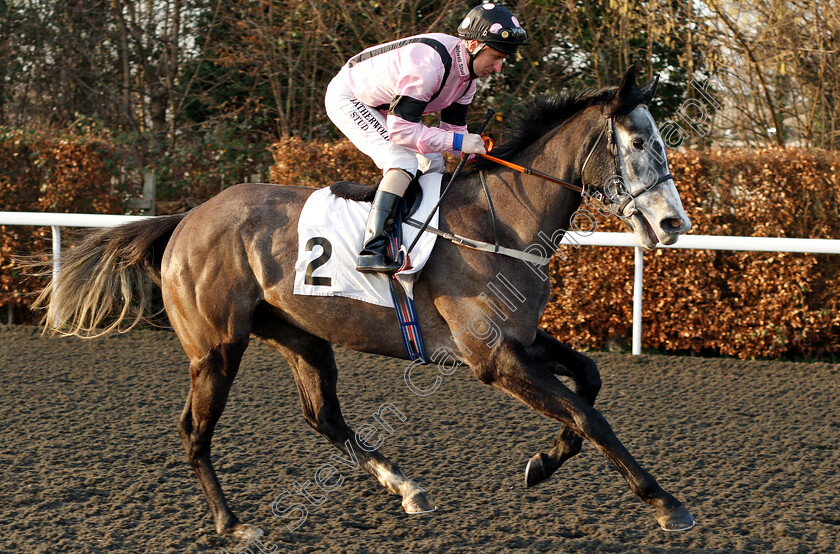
x: 418, y: 504
x: 241, y: 531
x: 535, y: 471
x: 678, y: 520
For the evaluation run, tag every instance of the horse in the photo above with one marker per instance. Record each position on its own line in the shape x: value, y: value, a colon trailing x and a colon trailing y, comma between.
x: 226, y: 272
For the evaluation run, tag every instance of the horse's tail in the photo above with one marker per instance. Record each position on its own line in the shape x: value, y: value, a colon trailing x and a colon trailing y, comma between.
x: 101, y: 280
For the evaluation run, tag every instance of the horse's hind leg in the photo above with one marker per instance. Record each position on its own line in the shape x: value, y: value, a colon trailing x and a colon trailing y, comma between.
x: 562, y: 360
x: 210, y: 380
x: 315, y: 373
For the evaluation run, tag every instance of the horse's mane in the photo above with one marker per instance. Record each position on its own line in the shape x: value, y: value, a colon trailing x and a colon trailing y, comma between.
x: 545, y: 113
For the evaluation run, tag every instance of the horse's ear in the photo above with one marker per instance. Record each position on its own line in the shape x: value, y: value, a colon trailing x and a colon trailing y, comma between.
x: 650, y: 90
x: 627, y: 82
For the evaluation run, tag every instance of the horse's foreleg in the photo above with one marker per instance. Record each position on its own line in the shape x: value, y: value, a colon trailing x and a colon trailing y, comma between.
x: 561, y: 360
x: 210, y: 380
x: 513, y: 370
x: 315, y: 372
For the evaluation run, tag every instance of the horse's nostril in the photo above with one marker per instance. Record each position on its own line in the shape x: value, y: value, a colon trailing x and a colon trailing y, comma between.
x: 671, y: 225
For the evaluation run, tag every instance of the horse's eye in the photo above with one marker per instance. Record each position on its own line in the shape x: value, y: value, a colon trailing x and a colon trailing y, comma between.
x: 638, y: 143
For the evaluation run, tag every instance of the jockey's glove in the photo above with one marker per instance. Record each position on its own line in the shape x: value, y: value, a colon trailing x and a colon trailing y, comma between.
x: 473, y: 144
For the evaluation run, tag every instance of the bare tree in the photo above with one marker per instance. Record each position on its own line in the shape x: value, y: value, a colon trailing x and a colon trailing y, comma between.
x: 161, y: 67
x: 790, y: 54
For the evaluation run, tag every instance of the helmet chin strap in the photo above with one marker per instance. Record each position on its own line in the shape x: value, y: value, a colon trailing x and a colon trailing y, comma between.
x: 472, y: 55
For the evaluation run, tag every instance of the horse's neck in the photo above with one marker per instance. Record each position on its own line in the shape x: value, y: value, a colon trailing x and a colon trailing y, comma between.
x: 529, y: 205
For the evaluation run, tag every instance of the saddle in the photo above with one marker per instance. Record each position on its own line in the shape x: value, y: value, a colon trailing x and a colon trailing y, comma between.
x: 403, y: 303
x: 364, y: 193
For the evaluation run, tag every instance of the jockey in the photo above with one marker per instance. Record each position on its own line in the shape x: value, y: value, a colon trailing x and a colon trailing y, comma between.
x: 380, y: 95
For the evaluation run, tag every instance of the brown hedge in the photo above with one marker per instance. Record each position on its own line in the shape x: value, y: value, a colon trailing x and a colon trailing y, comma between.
x: 317, y: 163
x: 40, y: 173
x: 744, y: 304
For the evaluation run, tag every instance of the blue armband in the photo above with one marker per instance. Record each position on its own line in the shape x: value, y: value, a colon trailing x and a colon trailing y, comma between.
x: 457, y: 141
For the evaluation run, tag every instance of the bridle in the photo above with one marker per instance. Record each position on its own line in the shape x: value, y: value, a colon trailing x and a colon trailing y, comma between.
x: 616, y: 181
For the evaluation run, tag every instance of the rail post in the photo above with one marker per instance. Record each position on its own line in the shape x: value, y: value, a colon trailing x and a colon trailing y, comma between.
x: 56, y: 255
x: 638, y: 277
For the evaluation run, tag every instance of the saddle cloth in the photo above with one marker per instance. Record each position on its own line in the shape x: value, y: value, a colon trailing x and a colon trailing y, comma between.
x: 330, y: 234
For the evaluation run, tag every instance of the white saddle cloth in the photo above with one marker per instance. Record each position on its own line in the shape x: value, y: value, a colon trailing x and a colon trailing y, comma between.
x: 330, y: 234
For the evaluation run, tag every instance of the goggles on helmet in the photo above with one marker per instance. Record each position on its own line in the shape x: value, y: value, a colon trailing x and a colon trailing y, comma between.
x: 516, y: 34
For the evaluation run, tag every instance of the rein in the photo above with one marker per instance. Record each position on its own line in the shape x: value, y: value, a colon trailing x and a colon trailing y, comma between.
x: 530, y: 171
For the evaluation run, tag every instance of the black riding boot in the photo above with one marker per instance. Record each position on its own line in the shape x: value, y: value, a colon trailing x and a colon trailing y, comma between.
x: 374, y: 256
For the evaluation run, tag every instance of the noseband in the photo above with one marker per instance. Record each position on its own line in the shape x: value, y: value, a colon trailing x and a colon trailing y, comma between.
x: 617, y: 181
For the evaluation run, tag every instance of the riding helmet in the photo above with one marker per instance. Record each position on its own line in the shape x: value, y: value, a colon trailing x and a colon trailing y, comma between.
x: 495, y: 26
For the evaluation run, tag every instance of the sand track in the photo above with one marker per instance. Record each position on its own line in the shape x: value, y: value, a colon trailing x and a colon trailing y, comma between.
x: 92, y: 461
